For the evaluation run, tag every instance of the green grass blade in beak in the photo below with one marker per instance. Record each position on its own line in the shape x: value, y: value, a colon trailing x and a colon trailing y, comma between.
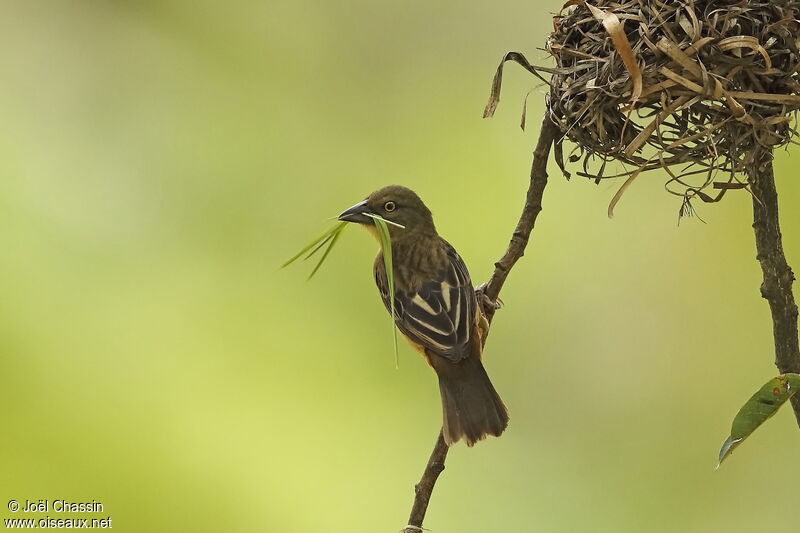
x: 315, y: 243
x: 319, y: 246
x: 378, y: 217
x: 386, y: 246
x: 333, y: 238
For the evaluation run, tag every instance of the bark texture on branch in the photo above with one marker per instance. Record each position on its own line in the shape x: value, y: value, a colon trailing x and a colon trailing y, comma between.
x: 778, y: 276
x: 527, y: 220
x: 424, y: 488
x: 487, y: 299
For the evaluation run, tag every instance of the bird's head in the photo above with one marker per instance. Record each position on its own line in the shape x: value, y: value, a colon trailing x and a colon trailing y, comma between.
x: 396, y: 204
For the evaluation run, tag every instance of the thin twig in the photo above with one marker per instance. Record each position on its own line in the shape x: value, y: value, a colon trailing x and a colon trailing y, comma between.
x: 533, y: 206
x: 778, y: 276
x: 487, y: 299
x: 424, y: 488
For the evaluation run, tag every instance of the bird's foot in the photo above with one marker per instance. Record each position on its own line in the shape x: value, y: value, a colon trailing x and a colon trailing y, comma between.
x: 484, y: 301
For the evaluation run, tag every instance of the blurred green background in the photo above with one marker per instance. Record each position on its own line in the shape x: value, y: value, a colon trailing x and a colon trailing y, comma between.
x: 159, y: 160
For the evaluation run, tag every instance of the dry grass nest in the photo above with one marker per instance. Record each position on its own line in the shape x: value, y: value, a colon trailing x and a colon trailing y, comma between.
x: 698, y: 88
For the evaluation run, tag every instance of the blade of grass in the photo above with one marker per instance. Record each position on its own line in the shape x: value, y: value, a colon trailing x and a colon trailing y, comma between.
x: 319, y: 246
x: 378, y: 217
x: 328, y: 240
x: 317, y: 243
x: 386, y: 246
x: 333, y: 238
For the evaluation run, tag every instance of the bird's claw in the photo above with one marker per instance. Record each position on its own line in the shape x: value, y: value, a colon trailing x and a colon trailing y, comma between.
x: 484, y: 301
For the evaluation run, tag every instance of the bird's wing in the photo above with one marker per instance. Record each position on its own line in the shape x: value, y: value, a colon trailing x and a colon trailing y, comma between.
x: 440, y: 316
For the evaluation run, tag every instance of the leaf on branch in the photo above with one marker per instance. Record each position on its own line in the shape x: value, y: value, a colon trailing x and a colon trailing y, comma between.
x: 760, y: 407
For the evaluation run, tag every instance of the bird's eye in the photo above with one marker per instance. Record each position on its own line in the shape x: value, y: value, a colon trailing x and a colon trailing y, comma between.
x: 389, y: 207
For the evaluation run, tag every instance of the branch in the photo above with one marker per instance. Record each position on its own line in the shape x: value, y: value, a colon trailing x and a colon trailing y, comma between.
x: 778, y: 276
x: 487, y: 299
x: 424, y: 488
x: 527, y: 220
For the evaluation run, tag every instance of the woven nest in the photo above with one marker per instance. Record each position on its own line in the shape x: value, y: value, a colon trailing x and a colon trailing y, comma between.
x: 698, y: 88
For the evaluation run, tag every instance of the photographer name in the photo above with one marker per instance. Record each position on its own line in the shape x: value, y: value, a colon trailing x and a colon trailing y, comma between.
x: 61, y: 506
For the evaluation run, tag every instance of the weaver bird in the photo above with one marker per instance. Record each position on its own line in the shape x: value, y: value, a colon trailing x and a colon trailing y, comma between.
x: 436, y: 310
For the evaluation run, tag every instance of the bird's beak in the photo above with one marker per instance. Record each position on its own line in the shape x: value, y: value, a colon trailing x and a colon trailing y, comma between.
x: 356, y: 214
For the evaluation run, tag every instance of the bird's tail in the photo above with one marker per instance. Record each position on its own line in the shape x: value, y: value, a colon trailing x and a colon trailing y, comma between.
x: 471, y: 408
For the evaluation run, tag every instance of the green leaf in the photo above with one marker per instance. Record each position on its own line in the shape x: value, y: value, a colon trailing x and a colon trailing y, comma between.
x: 333, y: 238
x: 378, y: 217
x: 386, y: 245
x: 329, y: 237
x: 328, y: 240
x: 760, y: 407
x: 319, y: 246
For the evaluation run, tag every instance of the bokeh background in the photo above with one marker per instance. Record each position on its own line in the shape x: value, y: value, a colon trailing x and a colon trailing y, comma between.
x: 160, y: 159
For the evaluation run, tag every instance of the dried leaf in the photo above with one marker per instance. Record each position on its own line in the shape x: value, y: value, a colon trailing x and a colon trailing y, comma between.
x: 616, y: 30
x: 497, y: 82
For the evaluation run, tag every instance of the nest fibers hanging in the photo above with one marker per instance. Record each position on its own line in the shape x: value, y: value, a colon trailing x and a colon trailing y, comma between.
x: 697, y: 88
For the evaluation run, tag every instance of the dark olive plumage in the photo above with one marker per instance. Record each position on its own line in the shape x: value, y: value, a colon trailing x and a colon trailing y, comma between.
x: 436, y: 309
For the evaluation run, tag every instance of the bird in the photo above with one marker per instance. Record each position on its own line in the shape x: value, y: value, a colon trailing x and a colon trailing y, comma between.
x: 436, y: 310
